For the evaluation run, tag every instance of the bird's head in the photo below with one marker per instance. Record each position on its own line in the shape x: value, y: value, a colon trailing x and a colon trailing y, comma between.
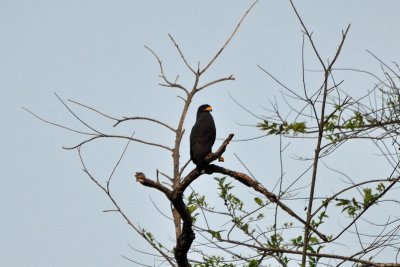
x: 205, y: 108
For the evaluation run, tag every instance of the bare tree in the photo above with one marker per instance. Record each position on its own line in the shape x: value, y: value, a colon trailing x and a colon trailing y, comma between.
x: 326, y: 117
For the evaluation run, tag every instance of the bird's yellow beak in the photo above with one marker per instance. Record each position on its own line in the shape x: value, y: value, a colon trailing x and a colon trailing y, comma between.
x: 209, y: 108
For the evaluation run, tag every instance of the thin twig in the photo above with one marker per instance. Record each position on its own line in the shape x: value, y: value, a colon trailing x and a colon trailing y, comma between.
x: 169, y: 84
x: 119, y: 137
x: 145, y: 119
x: 76, y: 116
x: 118, y: 162
x: 229, y: 39
x: 56, y: 124
x: 181, y: 54
x: 93, y: 109
x: 229, y: 78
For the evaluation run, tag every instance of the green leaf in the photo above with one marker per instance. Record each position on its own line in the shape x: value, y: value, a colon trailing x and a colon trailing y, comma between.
x: 191, y: 208
x: 215, y: 234
x: 259, y: 201
x: 245, y: 228
x: 380, y: 187
x: 253, y: 263
x: 368, y: 197
x: 298, y: 241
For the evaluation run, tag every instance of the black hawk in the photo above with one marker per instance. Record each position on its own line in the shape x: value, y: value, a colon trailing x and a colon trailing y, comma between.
x: 202, y: 137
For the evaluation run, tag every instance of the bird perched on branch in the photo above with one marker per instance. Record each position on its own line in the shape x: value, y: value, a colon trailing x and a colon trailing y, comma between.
x: 202, y: 137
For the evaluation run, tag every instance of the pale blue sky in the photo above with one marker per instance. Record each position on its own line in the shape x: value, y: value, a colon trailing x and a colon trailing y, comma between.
x: 93, y: 52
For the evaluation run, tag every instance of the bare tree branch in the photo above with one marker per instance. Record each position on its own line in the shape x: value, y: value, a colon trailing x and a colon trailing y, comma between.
x: 168, y: 83
x: 320, y: 255
x: 248, y: 181
x: 121, y: 212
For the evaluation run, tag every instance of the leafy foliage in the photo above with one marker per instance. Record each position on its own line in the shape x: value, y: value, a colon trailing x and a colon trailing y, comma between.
x: 282, y: 128
x: 214, y: 261
x: 353, y: 207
